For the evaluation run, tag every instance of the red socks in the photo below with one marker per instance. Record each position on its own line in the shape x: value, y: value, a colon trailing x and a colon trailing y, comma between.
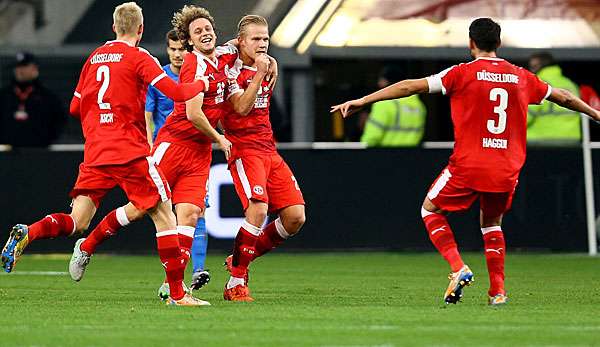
x: 495, y: 250
x: 51, y: 226
x: 172, y: 260
x: 272, y: 236
x: 186, y: 238
x: 442, y: 238
x: 244, y: 249
x: 112, y: 222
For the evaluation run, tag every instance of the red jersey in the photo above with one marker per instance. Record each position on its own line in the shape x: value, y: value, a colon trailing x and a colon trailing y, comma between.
x: 488, y: 101
x: 251, y: 134
x: 589, y: 95
x: 221, y: 74
x: 112, y: 90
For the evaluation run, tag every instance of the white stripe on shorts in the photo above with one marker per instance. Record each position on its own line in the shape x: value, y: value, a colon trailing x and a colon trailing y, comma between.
x: 439, y: 184
x: 157, y: 180
x: 160, y: 152
x: 243, y: 178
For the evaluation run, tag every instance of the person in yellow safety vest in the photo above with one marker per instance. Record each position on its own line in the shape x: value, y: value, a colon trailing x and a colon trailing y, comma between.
x: 394, y: 123
x: 548, y: 121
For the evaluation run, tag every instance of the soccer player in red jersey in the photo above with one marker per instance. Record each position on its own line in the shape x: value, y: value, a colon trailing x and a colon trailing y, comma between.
x: 263, y: 181
x: 109, y: 100
x: 488, y: 98
x: 183, y: 145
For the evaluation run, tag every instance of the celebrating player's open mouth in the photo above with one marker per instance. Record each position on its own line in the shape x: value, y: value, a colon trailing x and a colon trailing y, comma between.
x: 202, y: 35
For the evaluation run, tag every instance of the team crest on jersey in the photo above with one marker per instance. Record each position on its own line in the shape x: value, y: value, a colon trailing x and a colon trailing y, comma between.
x: 258, y: 190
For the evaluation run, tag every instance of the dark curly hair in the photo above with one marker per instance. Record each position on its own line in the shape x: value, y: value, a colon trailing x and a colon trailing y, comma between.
x: 182, y: 19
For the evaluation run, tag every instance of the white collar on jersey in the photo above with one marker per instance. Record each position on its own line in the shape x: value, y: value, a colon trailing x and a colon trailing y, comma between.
x: 214, y: 63
x: 251, y: 68
x: 121, y: 41
x: 490, y: 58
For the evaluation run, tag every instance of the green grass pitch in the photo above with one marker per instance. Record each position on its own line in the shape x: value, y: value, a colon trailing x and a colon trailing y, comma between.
x: 345, y: 299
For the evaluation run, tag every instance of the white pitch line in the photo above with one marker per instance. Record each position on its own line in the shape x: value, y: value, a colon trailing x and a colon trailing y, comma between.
x: 39, y: 273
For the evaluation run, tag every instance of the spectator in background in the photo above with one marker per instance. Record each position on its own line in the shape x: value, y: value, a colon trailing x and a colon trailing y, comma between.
x: 395, y: 123
x: 548, y: 121
x: 30, y: 114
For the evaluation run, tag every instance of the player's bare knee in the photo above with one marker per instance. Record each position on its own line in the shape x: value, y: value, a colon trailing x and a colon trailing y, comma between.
x: 136, y: 215
x: 256, y: 217
x: 189, y: 215
x: 256, y: 213
x: 293, y: 220
x: 489, y: 221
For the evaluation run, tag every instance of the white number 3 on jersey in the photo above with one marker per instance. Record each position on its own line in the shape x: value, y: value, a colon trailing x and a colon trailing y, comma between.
x: 500, y: 110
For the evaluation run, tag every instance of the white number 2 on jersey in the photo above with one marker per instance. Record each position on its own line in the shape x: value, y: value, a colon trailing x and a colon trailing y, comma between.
x: 103, y: 74
x: 500, y: 110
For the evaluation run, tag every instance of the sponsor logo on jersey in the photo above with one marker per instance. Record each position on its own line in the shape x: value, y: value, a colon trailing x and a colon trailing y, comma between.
x: 100, y: 58
x: 262, y: 98
x: 258, y: 190
x: 106, y: 118
x: 495, y: 143
x: 497, y: 77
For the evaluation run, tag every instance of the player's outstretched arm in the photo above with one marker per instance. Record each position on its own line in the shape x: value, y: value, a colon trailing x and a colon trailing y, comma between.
x: 397, y: 90
x: 193, y: 109
x: 181, y: 92
x: 244, y: 102
x: 567, y: 99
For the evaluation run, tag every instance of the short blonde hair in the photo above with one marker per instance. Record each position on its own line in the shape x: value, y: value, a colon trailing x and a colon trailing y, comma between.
x: 182, y: 19
x: 127, y: 18
x: 250, y: 19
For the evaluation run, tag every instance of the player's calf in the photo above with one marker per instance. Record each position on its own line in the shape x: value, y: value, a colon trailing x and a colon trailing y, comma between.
x: 293, y: 218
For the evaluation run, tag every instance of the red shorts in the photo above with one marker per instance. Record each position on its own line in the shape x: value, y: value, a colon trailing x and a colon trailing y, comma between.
x: 450, y: 194
x: 142, y: 182
x: 186, y: 170
x: 265, y: 178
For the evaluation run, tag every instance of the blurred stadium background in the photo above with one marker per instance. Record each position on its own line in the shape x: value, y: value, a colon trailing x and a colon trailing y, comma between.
x: 328, y: 51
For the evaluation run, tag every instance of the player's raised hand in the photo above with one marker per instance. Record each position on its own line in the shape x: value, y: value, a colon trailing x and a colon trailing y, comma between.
x: 262, y: 63
x: 225, y: 146
x: 349, y: 107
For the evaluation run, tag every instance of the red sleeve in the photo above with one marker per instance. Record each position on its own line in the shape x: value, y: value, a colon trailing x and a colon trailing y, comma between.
x: 183, y: 91
x: 74, y: 107
x: 186, y: 74
x: 451, y: 79
x: 188, y: 86
x: 538, y: 89
x: 148, y: 67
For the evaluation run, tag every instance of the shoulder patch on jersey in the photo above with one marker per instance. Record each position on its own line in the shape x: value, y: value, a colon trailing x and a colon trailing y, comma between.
x: 233, y: 72
x: 226, y: 49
